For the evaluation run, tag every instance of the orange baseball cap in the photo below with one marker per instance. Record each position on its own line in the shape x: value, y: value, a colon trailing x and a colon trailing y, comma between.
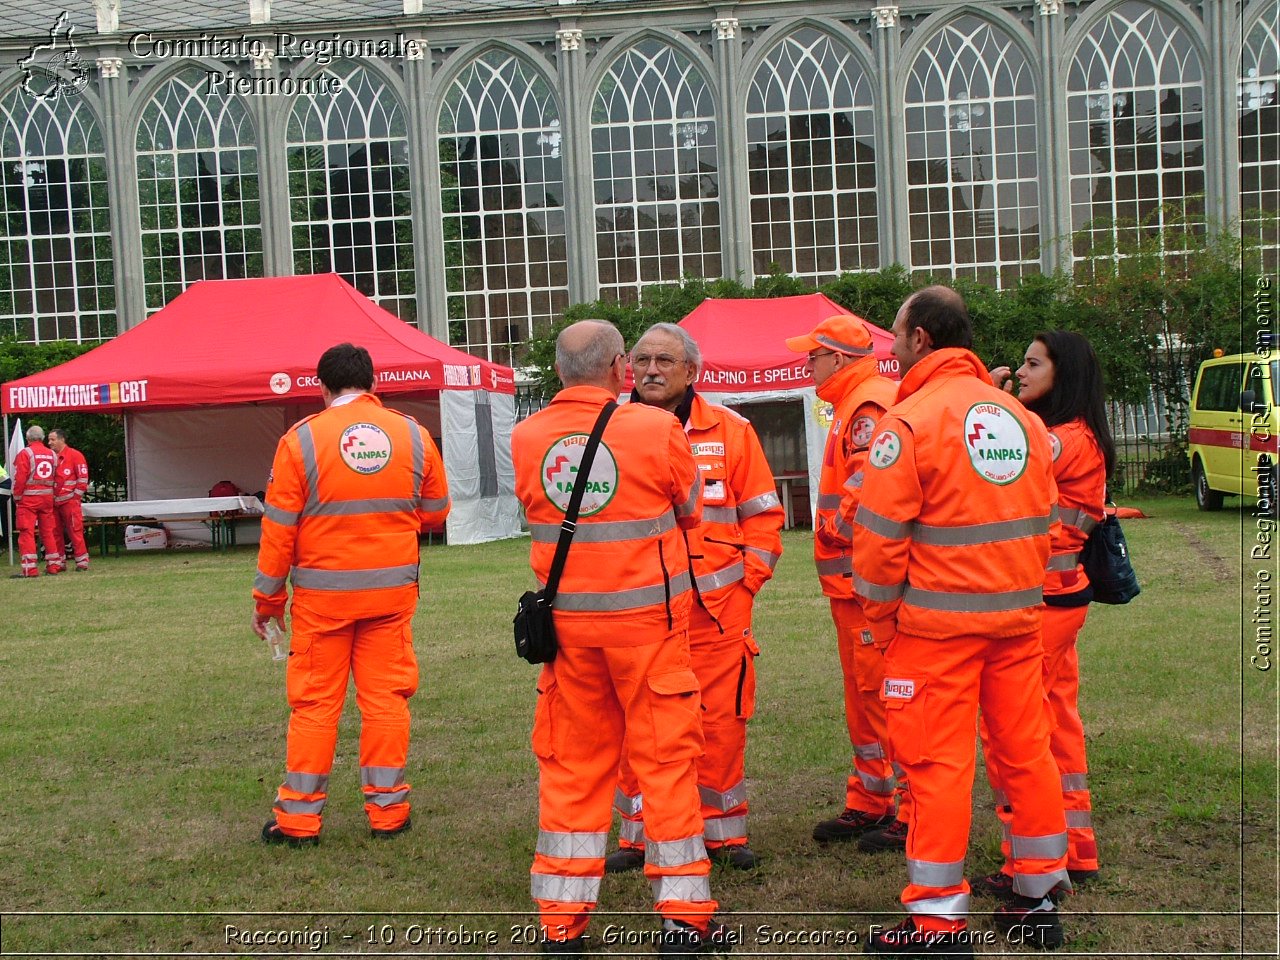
x: 843, y: 333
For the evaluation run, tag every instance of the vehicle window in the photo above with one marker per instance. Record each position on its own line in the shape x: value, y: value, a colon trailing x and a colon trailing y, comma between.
x: 1220, y: 388
x: 1275, y: 380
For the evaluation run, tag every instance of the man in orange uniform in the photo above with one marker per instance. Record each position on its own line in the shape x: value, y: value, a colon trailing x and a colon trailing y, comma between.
x: 350, y: 490
x: 847, y: 376
x: 69, y: 489
x: 950, y: 545
x: 734, y: 551
x: 623, y: 669
x: 34, y: 472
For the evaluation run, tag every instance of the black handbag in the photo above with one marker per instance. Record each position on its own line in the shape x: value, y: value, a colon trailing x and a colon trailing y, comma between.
x: 1105, y: 557
x: 535, y: 632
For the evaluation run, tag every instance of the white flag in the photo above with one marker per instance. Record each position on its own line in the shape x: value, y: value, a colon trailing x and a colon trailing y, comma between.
x: 16, y: 443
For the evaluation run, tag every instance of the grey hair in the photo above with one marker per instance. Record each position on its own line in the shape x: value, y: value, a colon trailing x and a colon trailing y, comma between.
x: 692, y: 352
x: 591, y: 363
x: 35, y: 432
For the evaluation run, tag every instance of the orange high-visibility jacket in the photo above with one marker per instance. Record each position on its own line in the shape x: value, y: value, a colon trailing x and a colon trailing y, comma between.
x: 859, y: 396
x: 33, y: 473
x: 1080, y: 472
x: 738, y: 540
x: 626, y: 580
x: 73, y: 476
x: 952, y: 534
x: 351, y: 488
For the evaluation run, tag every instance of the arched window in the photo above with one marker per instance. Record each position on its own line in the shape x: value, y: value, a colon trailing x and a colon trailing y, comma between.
x: 348, y: 155
x: 811, y: 160
x: 657, y: 179
x: 506, y: 272
x: 1258, y: 98
x: 56, y: 275
x: 197, y: 189
x: 1134, y: 118
x: 973, y: 199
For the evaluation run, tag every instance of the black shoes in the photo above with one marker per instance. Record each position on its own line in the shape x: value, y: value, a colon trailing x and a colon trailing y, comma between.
x: 271, y: 833
x: 1081, y: 877
x: 394, y: 831
x: 892, y: 837
x: 623, y: 860
x: 850, y: 825
x: 998, y: 885
x: 1029, y: 922
x: 577, y: 947
x: 735, y: 855
x: 680, y: 939
x: 905, y: 940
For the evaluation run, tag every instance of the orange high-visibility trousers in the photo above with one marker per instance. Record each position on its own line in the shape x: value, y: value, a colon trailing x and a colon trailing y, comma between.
x: 724, y: 663
x: 323, y: 653
x: 932, y: 692
x: 30, y: 513
x: 590, y: 698
x: 1062, y: 627
x: 871, y: 786
x: 71, y: 526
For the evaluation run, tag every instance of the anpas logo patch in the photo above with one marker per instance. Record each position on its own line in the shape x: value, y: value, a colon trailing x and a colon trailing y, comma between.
x: 886, y: 450
x: 996, y: 442
x: 861, y: 430
x: 560, y: 471
x: 365, y: 448
x: 1056, y: 444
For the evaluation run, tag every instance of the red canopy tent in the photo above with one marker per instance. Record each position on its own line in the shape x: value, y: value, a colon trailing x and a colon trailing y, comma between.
x: 208, y: 384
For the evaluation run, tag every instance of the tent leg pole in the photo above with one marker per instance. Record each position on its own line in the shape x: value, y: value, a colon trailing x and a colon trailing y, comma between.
x: 8, y: 501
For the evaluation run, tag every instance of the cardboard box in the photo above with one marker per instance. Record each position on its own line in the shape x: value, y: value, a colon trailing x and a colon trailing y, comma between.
x: 145, y: 538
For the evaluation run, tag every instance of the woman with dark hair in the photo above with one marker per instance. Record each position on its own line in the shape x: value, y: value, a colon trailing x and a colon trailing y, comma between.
x: 1060, y: 380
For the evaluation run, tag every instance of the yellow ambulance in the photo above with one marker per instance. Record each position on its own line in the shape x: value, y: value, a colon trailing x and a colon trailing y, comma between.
x: 1233, y: 427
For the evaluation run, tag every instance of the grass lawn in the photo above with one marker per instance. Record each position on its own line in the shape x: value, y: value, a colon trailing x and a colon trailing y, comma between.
x: 142, y: 738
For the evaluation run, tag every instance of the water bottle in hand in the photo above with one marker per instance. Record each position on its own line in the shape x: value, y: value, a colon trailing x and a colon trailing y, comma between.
x: 278, y: 641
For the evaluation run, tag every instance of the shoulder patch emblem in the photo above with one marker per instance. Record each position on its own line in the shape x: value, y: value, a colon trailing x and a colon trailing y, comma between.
x: 861, y: 430
x: 1055, y: 444
x: 996, y: 443
x: 886, y: 450
x: 560, y: 470
x: 365, y: 448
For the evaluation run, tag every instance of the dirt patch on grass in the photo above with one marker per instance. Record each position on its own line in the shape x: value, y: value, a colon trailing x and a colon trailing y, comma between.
x: 1216, y: 564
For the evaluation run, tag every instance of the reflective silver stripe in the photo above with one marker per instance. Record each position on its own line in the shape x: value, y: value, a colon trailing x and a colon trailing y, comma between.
x: 930, y: 873
x: 975, y: 533
x: 1079, y: 819
x: 1075, y: 781
x: 419, y: 448
x: 621, y: 599
x: 837, y: 566
x: 721, y: 578
x: 610, y: 532
x: 721, y: 829
x: 1001, y: 798
x: 310, y: 578
x: 310, y: 468
x: 268, y: 585
x: 843, y: 528
x: 971, y: 602
x: 286, y: 518
x: 300, y: 806
x: 769, y: 558
x: 954, y: 907
x: 64, y: 498
x: 387, y: 799
x: 1075, y: 517
x: 881, y: 786
x: 627, y: 806
x: 1049, y: 847
x: 307, y: 782
x: 719, y: 515
x: 432, y: 506
x: 835, y: 344
x: 356, y: 508
x: 868, y: 751
x: 383, y: 778
x: 686, y: 507
x: 673, y: 853
x: 548, y: 886
x: 1006, y: 831
x: 877, y: 591
x: 572, y: 846
x: 766, y: 501
x: 898, y: 772
x: 632, y: 831
x: 855, y: 482
x: 724, y: 800
x: 883, y: 526
x: 1039, y: 884
x: 692, y: 889
x: 829, y: 501
x: 1063, y: 561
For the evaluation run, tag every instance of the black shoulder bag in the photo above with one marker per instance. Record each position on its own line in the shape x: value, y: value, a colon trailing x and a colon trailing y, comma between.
x: 534, y: 630
x: 1105, y: 557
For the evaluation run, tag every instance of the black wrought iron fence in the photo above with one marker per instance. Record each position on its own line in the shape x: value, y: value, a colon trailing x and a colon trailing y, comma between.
x: 1151, y: 452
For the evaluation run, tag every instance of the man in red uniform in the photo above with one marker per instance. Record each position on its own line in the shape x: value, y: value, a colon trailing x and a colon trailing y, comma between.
x: 350, y: 490
x: 623, y: 669
x: 33, y: 482
x: 734, y: 551
x: 950, y: 544
x: 68, y: 493
x: 847, y: 376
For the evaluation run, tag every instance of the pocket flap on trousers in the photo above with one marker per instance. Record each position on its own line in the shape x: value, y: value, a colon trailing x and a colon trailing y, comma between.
x: 675, y: 683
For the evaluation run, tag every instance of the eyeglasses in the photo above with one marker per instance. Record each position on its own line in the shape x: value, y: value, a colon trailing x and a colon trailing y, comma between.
x: 664, y: 360
x: 814, y: 356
